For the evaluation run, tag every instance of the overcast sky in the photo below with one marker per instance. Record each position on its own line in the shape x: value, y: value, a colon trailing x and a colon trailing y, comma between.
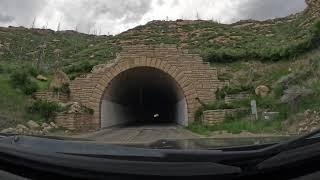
x: 115, y: 16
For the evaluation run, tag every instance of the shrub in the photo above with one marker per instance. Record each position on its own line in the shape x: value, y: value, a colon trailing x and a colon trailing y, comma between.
x: 83, y: 67
x: 21, y: 80
x: 87, y: 110
x: 63, y: 89
x: 33, y: 71
x: 317, y: 28
x: 215, y: 106
x: 1, y: 69
x: 30, y: 88
x: 46, y: 109
x: 278, y: 91
x: 228, y: 90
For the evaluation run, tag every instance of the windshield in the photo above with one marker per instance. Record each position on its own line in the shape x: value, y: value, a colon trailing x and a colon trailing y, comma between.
x: 160, y: 74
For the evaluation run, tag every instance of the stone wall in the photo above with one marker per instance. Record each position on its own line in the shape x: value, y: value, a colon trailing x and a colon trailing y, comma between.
x: 213, y: 117
x: 76, y: 121
x: 52, y: 96
x: 235, y: 97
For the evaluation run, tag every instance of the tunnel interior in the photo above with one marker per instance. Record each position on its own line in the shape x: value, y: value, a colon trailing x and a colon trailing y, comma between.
x: 143, y: 95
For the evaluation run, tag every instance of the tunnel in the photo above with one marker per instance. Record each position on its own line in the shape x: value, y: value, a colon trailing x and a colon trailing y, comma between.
x: 143, y: 96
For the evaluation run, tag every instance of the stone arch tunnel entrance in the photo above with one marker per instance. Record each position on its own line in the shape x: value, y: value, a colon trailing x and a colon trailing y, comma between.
x: 143, y: 95
x: 145, y: 84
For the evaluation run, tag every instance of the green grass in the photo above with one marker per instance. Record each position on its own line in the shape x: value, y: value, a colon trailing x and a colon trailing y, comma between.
x: 13, y: 104
x: 238, y: 126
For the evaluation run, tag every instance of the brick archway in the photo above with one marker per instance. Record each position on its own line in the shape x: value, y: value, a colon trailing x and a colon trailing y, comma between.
x: 174, y: 72
x: 196, y: 79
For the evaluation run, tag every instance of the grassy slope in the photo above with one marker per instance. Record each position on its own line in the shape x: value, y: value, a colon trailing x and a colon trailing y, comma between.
x: 248, y: 40
x: 255, y: 73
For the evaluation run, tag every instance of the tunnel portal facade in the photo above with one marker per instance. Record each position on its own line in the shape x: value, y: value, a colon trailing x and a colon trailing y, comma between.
x: 146, y: 84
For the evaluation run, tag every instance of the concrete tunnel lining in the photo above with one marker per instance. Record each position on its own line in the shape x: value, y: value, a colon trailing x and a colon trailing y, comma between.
x: 137, y: 94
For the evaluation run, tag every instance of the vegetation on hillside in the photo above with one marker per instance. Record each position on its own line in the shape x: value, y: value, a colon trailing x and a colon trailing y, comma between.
x: 27, y: 53
x: 294, y: 89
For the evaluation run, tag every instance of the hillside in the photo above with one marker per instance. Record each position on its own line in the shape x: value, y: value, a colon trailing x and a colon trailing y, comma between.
x: 270, y: 47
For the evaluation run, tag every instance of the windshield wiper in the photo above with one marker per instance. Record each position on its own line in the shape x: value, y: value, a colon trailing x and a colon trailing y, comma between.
x: 293, y: 151
x: 296, y: 142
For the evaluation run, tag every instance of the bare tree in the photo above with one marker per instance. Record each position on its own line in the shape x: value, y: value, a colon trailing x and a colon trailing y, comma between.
x: 34, y: 22
x: 89, y: 29
x: 76, y: 28
x: 198, y: 16
x: 99, y: 31
x: 42, y: 55
x: 59, y: 26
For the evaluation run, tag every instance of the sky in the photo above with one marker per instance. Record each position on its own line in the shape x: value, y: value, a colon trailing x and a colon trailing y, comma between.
x: 115, y: 16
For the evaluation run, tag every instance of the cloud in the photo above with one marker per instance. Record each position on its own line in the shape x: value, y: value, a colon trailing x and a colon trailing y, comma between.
x: 21, y: 12
x: 261, y: 10
x: 115, y: 16
x: 5, y: 18
x: 93, y: 13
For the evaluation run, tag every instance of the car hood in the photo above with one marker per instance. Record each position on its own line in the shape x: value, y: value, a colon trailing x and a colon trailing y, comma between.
x: 214, y: 143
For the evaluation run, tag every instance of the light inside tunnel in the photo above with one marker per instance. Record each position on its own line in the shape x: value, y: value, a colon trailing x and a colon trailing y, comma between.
x: 143, y: 95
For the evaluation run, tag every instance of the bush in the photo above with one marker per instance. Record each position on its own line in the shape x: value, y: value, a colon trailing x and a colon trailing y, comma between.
x: 83, y: 67
x: 317, y: 28
x: 63, y: 89
x: 46, y: 109
x: 214, y: 106
x: 87, y: 110
x: 278, y: 91
x: 228, y: 90
x: 30, y: 88
x: 21, y: 80
x: 33, y: 71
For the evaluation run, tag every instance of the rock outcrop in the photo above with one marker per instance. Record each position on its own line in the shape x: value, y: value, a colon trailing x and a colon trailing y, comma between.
x: 314, y: 5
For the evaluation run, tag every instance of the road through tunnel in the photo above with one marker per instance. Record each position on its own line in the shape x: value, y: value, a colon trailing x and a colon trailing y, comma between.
x: 143, y: 95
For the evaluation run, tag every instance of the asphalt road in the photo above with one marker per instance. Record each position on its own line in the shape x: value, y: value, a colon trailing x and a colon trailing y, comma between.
x: 139, y: 134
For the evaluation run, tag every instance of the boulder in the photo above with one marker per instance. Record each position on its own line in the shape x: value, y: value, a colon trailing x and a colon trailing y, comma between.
x: 41, y: 78
x: 262, y: 91
x: 285, y: 80
x: 75, y: 107
x: 20, y: 126
x: 33, y: 125
x: 294, y: 92
x: 45, y: 125
x: 8, y: 131
x: 57, y: 51
x: 53, y: 125
x: 47, y: 129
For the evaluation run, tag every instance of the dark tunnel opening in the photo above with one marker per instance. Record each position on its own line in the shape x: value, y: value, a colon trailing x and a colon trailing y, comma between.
x: 143, y: 95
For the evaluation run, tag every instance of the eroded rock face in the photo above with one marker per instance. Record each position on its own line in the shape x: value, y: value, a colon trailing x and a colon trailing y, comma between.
x: 295, y: 92
x: 314, y: 5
